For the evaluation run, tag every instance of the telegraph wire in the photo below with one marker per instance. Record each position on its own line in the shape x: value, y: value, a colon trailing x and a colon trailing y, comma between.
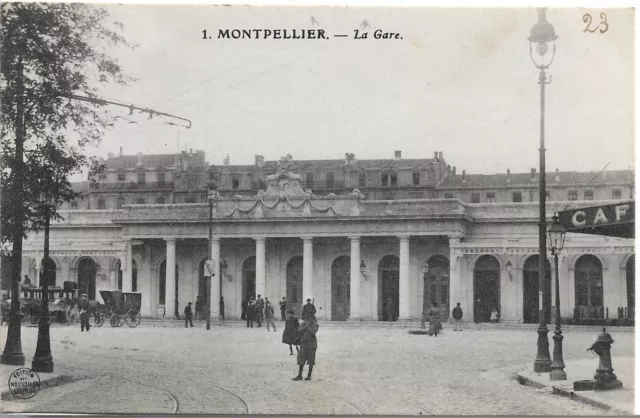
x: 587, y: 185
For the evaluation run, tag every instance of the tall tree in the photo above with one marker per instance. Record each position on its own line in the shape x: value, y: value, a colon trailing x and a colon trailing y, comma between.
x: 49, y: 51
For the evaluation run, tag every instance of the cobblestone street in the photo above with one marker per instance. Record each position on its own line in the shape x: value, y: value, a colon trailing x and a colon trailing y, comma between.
x: 358, y: 371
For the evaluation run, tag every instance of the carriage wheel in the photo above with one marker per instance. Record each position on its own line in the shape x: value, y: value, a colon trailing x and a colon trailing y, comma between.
x: 114, y: 321
x: 133, y: 318
x: 120, y: 321
x: 96, y: 320
x: 72, y: 315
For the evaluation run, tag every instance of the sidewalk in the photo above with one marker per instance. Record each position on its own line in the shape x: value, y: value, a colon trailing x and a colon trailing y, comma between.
x: 46, y: 379
x: 619, y: 401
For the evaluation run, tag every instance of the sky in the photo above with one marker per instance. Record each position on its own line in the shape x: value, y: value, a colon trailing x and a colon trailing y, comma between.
x: 460, y: 81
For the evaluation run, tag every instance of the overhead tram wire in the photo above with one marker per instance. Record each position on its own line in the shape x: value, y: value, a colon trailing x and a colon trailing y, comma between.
x: 587, y: 185
x: 256, y: 75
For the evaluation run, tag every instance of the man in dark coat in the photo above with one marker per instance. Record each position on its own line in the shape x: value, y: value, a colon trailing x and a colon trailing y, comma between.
x: 290, y: 334
x: 457, y: 317
x: 250, y: 313
x: 83, y: 307
x: 188, y: 316
x: 283, y: 308
x: 308, y: 310
x: 308, y: 346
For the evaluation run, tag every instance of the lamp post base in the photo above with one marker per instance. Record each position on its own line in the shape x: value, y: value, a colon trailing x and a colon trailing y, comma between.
x: 557, y: 367
x: 43, y: 360
x: 12, y: 354
x: 542, y: 363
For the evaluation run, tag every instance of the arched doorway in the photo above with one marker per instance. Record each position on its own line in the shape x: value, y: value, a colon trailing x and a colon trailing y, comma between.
x: 631, y: 287
x: 294, y: 284
x: 530, y: 293
x: 162, y: 287
x: 50, y: 267
x: 486, y: 287
x: 436, y: 285
x: 588, y: 287
x: 249, y: 278
x: 87, y: 270
x: 388, y: 288
x: 340, y: 288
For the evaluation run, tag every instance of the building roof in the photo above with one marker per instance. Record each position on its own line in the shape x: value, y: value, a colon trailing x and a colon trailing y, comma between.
x: 155, y: 160
x: 525, y: 179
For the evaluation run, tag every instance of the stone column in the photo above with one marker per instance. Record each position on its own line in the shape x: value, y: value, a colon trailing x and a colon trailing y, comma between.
x: 127, y: 269
x: 36, y: 282
x: 261, y: 267
x: 170, y: 283
x: 455, y: 285
x: 307, y: 269
x: 354, y: 302
x: 215, y: 280
x: 404, y: 279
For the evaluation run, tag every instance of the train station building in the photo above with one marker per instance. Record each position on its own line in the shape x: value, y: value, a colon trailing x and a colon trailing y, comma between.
x: 353, y: 235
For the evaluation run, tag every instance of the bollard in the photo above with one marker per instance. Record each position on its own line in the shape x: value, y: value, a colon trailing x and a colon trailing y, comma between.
x: 604, y: 377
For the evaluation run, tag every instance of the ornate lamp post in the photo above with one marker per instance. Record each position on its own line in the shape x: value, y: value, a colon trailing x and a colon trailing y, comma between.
x: 212, y: 195
x: 556, y: 243
x: 542, y: 33
x: 42, y: 360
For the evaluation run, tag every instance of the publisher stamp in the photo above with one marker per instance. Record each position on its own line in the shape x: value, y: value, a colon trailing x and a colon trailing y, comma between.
x: 24, y: 383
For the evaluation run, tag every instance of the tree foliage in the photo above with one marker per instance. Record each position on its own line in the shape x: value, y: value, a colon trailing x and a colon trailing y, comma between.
x: 50, y: 51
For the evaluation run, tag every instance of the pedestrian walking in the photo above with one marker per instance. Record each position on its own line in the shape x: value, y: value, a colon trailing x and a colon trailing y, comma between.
x: 259, y: 309
x: 457, y: 317
x: 308, y: 346
x: 494, y: 316
x: 222, y: 307
x: 188, y: 316
x: 83, y: 307
x: 290, y: 334
x: 434, y: 320
x: 308, y: 310
x: 250, y: 313
x: 283, y: 308
x: 269, y: 314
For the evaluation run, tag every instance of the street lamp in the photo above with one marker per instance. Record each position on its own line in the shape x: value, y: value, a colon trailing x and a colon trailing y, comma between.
x: 542, y: 33
x: 42, y: 360
x: 556, y: 243
x: 212, y: 195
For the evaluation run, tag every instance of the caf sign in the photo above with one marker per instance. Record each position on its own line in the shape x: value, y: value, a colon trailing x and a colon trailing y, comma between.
x: 620, y: 215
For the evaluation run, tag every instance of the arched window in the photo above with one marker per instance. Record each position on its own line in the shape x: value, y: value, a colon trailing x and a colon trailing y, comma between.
x: 51, y: 270
x: 530, y: 294
x: 588, y: 287
x: 486, y: 287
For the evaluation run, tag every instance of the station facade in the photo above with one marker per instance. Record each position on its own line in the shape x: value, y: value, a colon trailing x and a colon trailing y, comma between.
x: 365, y: 239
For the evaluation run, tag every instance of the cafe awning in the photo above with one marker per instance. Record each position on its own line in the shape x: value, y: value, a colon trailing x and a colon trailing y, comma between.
x: 613, y: 220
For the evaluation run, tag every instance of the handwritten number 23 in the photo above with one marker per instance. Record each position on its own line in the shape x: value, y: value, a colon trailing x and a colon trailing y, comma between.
x: 586, y: 18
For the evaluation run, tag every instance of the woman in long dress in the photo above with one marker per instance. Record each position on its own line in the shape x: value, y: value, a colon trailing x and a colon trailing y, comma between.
x: 434, y: 320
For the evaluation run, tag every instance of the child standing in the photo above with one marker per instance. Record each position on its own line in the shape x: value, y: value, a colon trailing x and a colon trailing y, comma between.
x: 494, y: 316
x: 290, y: 333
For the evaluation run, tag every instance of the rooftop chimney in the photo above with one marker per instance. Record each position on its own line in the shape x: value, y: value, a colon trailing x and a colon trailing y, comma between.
x: 349, y: 158
x: 259, y: 160
x: 120, y: 154
x: 557, y: 175
x: 440, y: 156
x: 533, y: 174
x: 454, y: 170
x: 226, y: 161
x: 139, y: 163
x: 190, y: 150
x: 435, y: 155
x: 464, y: 176
x: 508, y: 175
x: 398, y: 155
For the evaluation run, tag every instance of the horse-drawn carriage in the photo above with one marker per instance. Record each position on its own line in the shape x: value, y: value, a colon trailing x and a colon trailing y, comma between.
x: 31, y: 304
x: 121, y: 307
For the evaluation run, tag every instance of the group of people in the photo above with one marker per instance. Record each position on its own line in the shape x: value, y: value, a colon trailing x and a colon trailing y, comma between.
x: 435, y: 325
x: 258, y: 310
x: 302, y: 335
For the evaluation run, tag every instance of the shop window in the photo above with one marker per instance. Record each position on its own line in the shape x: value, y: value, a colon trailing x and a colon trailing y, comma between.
x: 475, y: 197
x: 101, y: 204
x: 362, y: 180
x: 588, y: 195
x: 573, y: 195
x: 491, y: 197
x: 416, y: 179
x: 517, y: 197
x: 616, y: 194
x: 330, y: 180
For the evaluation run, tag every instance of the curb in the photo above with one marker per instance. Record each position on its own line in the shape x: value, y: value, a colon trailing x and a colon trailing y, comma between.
x: 525, y: 381
x: 52, y: 381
